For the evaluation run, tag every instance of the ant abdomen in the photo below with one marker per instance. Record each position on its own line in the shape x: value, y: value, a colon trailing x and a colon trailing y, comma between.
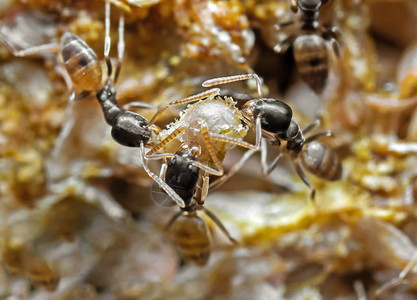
x: 81, y: 62
x: 311, y: 58
x: 192, y: 238
x: 321, y: 161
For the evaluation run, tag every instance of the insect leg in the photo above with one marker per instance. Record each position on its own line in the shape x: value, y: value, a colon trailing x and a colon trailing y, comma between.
x: 120, y: 47
x: 107, y: 38
x: 332, y: 34
x: 311, y: 126
x: 174, y: 196
x: 158, y: 156
x: 208, y: 169
x: 52, y: 47
x: 304, y: 178
x: 318, y: 135
x: 396, y: 281
x: 140, y: 104
x: 267, y: 169
x: 172, y: 221
x: 210, y: 148
x: 240, y: 142
x: 283, y: 46
x: 200, y: 96
x: 233, y: 170
x: 204, y: 189
x: 166, y: 140
x: 283, y: 25
x: 216, y: 220
x: 163, y: 170
x: 234, y: 78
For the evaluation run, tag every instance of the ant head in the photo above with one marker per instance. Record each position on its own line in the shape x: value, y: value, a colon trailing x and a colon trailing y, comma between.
x: 310, y: 5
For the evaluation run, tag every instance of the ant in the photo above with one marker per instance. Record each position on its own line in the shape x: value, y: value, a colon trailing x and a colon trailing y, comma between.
x: 190, y: 232
x: 274, y: 122
x: 309, y: 44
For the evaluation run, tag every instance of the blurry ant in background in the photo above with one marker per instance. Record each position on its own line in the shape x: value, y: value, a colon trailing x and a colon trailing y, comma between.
x: 309, y: 43
x: 274, y: 122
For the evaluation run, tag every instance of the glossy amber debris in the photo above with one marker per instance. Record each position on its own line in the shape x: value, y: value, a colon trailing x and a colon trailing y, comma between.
x: 77, y: 216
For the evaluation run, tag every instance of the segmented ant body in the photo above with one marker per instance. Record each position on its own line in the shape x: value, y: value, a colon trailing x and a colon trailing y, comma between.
x: 189, y: 231
x: 83, y: 66
x: 273, y: 121
x: 309, y: 43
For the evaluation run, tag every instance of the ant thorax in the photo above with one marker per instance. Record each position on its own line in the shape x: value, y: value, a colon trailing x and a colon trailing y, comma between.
x: 219, y: 115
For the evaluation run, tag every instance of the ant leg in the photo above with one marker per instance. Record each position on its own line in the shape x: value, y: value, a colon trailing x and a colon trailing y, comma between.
x: 51, y: 47
x: 332, y: 34
x: 164, y: 168
x: 107, y: 39
x: 233, y: 170
x: 166, y: 140
x: 382, y: 104
x: 267, y: 169
x: 216, y: 220
x: 264, y: 152
x: 234, y: 78
x: 318, y: 135
x: 283, y: 25
x: 233, y: 141
x: 396, y: 281
x: 172, y: 221
x: 158, y: 156
x: 210, y: 148
x: 140, y: 104
x: 120, y: 47
x: 311, y: 126
x: 208, y: 169
x: 240, y: 142
x: 283, y: 46
x: 304, y: 178
x: 174, y: 196
x: 200, y: 96
x: 294, y: 6
x: 272, y: 166
x: 204, y: 189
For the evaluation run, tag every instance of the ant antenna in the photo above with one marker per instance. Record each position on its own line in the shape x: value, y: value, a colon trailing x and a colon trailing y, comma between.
x: 234, y: 78
x: 120, y: 47
x: 107, y: 39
